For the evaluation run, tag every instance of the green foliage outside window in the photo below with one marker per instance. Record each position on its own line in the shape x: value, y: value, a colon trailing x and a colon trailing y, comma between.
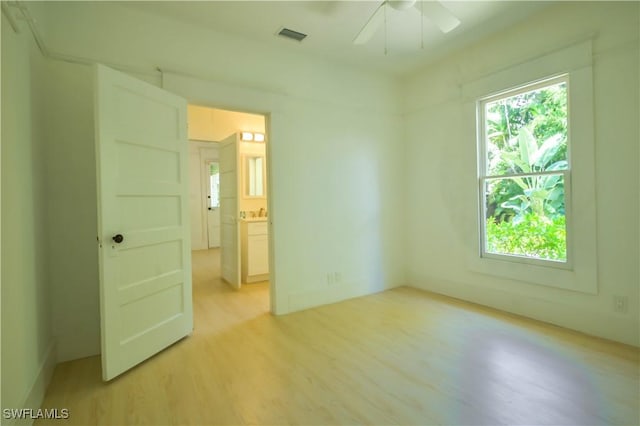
x: 526, y: 135
x: 535, y: 236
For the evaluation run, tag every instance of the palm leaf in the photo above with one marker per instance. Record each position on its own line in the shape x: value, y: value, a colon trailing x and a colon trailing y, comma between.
x: 527, y: 146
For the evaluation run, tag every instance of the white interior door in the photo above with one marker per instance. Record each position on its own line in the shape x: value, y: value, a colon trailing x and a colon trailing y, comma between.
x: 212, y: 169
x: 143, y: 220
x: 230, y: 233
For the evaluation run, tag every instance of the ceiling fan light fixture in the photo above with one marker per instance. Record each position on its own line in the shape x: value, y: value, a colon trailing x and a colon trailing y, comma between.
x: 433, y: 10
x: 401, y: 4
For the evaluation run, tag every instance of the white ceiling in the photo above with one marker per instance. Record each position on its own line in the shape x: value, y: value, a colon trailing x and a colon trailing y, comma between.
x: 332, y: 25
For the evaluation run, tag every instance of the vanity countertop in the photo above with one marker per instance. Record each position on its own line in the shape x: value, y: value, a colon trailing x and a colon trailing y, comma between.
x: 254, y: 219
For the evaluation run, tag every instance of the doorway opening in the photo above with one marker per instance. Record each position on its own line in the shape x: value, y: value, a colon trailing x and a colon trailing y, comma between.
x: 228, y: 203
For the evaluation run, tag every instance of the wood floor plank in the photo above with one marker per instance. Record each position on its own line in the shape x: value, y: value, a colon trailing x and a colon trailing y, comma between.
x: 404, y: 356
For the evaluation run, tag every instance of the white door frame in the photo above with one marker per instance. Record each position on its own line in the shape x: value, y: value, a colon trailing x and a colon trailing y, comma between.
x: 271, y: 105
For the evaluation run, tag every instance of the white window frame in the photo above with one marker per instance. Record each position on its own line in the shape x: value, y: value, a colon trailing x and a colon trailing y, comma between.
x: 484, y: 177
x: 576, y: 61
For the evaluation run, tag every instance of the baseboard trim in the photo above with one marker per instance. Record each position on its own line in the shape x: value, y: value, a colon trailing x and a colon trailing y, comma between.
x: 330, y: 294
x: 607, y: 326
x: 35, y: 396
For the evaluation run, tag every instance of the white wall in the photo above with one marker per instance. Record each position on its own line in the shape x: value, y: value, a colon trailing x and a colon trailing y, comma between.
x: 28, y: 354
x: 335, y: 155
x: 72, y: 216
x: 338, y: 169
x: 335, y: 184
x: 442, y: 206
x: 214, y: 125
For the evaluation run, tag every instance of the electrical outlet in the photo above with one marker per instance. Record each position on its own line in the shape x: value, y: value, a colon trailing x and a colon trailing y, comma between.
x: 330, y: 278
x: 620, y: 304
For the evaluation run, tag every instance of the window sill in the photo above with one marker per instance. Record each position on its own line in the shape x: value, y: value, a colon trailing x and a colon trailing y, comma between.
x: 583, y: 280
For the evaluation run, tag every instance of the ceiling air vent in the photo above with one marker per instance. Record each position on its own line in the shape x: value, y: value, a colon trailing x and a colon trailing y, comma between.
x: 293, y: 35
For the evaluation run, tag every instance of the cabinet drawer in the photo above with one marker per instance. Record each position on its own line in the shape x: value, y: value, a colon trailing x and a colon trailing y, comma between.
x: 260, y: 228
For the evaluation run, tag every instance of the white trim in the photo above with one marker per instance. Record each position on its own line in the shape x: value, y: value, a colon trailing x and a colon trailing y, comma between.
x: 574, y: 61
x: 12, y: 20
x: 483, y: 170
x: 482, y: 214
x: 35, y: 395
x: 528, y: 88
x: 273, y: 106
x: 514, y: 175
x: 575, y: 316
x: 562, y: 61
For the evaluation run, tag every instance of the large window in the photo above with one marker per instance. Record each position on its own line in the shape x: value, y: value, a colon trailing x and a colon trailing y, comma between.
x: 524, y: 173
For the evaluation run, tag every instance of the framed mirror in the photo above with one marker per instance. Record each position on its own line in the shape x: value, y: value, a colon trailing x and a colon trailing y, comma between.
x: 254, y: 176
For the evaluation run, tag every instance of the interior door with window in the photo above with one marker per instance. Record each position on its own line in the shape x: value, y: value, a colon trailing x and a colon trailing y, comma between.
x: 213, y: 203
x: 143, y: 219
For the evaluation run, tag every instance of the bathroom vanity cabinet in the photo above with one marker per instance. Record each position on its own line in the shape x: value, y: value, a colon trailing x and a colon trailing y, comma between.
x: 255, y: 250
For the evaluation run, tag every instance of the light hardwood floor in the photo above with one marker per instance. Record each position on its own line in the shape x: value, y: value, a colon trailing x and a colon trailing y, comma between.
x: 399, y: 357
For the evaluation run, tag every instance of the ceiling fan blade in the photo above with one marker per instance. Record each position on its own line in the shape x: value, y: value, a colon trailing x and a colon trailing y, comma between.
x: 438, y: 14
x: 372, y: 25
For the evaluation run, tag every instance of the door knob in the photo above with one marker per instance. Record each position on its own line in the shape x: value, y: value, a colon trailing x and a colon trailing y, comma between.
x: 118, y: 238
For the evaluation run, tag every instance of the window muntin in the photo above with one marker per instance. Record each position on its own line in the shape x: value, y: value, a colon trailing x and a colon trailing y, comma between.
x: 525, y: 173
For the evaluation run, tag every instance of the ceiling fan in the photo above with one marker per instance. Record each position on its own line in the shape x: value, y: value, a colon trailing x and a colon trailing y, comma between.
x: 432, y: 10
